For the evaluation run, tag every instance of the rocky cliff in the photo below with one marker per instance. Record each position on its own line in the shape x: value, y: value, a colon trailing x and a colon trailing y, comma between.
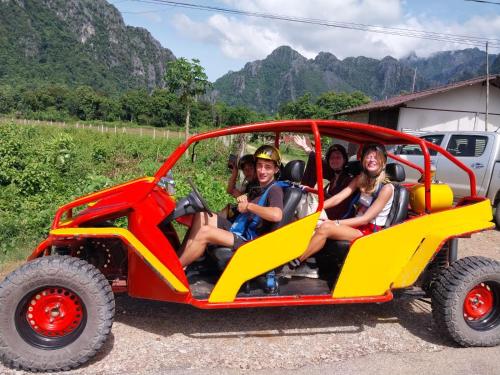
x: 285, y: 75
x: 76, y: 42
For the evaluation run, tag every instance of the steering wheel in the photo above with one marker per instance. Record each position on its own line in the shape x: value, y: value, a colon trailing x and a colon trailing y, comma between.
x: 198, y: 196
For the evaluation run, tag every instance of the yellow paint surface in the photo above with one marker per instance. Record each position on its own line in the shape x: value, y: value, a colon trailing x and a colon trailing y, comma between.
x: 395, y: 257
x: 137, y: 245
x: 264, y: 254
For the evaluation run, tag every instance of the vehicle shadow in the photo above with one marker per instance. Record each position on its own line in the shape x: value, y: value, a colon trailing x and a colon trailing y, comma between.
x: 166, y: 319
x: 415, y: 316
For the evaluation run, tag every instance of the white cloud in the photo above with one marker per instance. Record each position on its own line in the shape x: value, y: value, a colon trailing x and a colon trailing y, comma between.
x: 196, y: 30
x: 250, y: 38
x: 244, y: 40
x: 153, y: 17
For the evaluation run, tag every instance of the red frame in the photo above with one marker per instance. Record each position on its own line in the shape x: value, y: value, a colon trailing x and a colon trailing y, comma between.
x: 349, y: 131
x: 146, y: 205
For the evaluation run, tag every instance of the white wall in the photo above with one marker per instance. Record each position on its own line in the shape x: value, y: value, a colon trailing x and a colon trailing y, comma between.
x: 459, y: 109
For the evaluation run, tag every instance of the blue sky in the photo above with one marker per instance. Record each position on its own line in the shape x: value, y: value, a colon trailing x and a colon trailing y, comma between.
x: 224, y: 42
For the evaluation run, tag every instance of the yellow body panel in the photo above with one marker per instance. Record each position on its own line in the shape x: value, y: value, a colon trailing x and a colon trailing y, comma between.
x: 395, y: 257
x: 264, y: 254
x: 141, y: 250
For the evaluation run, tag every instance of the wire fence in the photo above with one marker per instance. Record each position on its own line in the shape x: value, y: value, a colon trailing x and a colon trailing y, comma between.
x: 141, y: 131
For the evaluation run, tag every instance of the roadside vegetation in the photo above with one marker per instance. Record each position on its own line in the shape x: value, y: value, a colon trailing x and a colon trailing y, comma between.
x: 160, y: 108
x: 42, y: 168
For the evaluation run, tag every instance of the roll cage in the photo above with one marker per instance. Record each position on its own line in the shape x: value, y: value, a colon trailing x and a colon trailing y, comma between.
x: 353, y: 132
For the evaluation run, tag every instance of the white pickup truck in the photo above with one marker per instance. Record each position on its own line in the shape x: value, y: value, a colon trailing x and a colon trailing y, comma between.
x: 478, y: 150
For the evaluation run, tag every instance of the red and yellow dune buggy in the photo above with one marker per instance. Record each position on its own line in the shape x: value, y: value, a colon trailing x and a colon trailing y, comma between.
x: 57, y: 310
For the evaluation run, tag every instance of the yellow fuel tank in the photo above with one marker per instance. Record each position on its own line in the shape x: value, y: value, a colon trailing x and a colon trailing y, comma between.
x: 441, y: 197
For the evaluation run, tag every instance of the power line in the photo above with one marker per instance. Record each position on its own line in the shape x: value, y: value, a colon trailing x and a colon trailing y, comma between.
x: 484, y: 1
x: 475, y: 41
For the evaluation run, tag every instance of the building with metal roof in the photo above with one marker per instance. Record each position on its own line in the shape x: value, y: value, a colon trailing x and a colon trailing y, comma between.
x: 457, y: 106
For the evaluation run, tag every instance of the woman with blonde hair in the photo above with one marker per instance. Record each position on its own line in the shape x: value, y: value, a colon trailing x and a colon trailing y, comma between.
x: 372, y: 207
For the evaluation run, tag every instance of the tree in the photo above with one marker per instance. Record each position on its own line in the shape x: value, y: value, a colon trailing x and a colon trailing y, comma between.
x: 135, y: 105
x: 302, y: 108
x: 165, y: 108
x: 324, y: 107
x: 7, y: 101
x: 85, y: 103
x: 332, y: 102
x: 188, y: 80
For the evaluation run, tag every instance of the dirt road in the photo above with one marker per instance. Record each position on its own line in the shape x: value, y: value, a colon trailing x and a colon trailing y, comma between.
x: 391, y: 338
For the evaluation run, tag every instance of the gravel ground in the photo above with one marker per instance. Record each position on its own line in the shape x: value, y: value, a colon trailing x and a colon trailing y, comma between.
x: 151, y: 338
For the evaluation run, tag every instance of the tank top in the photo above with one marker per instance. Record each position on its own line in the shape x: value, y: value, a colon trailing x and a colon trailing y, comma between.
x: 366, y: 200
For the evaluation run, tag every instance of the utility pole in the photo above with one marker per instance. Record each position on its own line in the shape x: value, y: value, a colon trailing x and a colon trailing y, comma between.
x: 487, y: 89
x: 414, y: 79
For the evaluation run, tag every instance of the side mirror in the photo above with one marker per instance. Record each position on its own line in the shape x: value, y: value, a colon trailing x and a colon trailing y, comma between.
x: 168, y: 183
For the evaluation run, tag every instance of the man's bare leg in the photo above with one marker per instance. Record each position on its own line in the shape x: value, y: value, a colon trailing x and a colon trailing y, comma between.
x: 206, y: 234
x: 200, y: 219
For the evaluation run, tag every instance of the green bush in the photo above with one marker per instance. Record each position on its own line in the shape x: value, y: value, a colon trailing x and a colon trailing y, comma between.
x: 42, y: 168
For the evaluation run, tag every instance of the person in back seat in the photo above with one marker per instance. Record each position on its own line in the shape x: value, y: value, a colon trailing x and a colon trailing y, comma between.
x: 334, y: 169
x: 247, y: 165
x: 219, y: 231
x: 373, y: 206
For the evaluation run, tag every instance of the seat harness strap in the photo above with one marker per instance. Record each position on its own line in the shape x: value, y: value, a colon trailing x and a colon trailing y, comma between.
x: 245, y: 225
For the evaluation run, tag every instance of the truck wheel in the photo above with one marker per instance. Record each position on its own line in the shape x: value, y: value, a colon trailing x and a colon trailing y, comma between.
x: 55, y: 314
x: 466, y: 301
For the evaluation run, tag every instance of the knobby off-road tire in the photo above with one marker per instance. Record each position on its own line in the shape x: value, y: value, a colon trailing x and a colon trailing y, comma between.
x: 55, y: 314
x: 466, y: 301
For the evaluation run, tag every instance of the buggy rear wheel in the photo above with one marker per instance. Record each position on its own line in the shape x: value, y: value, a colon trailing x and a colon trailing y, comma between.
x: 466, y: 301
x: 55, y: 313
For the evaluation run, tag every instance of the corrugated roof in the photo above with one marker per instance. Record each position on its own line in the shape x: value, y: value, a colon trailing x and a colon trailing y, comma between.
x: 398, y: 101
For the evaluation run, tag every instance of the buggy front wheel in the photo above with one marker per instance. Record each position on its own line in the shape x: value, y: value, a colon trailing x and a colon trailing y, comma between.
x: 55, y: 313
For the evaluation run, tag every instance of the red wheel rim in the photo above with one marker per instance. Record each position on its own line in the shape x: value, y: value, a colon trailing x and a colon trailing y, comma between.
x: 479, y: 302
x: 54, y: 312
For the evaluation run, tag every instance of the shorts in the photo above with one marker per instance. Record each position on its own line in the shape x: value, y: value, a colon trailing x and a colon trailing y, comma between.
x: 223, y: 223
x: 368, y: 228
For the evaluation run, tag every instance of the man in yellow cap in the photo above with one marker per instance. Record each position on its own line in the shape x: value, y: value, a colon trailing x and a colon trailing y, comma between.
x: 216, y: 230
